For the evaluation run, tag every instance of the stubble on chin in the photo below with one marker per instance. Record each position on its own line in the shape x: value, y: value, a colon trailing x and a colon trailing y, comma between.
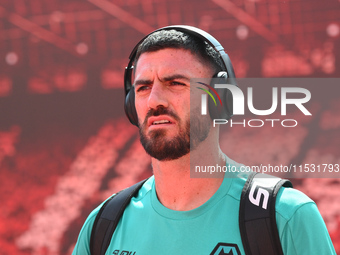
x: 160, y: 146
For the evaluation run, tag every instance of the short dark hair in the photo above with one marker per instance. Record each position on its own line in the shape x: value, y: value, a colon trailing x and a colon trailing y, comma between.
x: 179, y: 40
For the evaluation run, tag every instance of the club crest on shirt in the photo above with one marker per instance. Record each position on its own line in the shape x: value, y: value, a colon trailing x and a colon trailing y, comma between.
x: 226, y: 249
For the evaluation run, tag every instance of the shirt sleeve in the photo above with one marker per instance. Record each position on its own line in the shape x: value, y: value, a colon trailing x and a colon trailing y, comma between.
x: 304, y: 232
x: 83, y: 243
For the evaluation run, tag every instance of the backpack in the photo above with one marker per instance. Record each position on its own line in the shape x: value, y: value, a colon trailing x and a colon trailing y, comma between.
x: 257, y: 219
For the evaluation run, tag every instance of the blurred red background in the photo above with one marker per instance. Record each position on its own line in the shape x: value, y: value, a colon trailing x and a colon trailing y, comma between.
x: 65, y: 144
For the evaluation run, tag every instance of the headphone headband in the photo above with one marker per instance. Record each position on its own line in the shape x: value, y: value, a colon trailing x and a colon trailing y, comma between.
x: 194, y: 31
x: 186, y: 29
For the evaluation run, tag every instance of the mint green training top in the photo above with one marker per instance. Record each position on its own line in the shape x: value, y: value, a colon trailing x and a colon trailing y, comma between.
x: 149, y: 228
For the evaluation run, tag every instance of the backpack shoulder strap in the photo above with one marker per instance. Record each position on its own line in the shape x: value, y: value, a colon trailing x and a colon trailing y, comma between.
x: 108, y: 217
x: 257, y: 214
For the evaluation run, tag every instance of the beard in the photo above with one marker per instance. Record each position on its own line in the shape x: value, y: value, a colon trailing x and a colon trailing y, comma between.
x: 163, y: 148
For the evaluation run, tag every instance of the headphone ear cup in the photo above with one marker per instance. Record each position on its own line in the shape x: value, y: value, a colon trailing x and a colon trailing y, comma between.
x: 130, y: 108
x: 224, y: 111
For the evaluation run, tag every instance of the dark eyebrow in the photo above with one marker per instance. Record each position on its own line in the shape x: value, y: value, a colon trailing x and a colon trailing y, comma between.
x: 175, y: 76
x: 164, y: 79
x: 142, y: 82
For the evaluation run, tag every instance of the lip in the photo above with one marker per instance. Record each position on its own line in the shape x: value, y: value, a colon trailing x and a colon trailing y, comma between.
x: 158, y: 118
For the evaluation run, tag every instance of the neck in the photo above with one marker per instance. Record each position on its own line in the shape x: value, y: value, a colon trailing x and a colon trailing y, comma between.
x: 175, y: 188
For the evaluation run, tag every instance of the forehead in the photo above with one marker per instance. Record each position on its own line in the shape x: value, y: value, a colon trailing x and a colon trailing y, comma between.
x: 172, y: 60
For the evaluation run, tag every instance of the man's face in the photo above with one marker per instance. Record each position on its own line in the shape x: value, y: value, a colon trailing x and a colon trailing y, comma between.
x: 162, y: 89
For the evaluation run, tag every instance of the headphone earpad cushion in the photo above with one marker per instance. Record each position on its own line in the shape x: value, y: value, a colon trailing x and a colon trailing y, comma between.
x: 130, y: 108
x: 220, y: 111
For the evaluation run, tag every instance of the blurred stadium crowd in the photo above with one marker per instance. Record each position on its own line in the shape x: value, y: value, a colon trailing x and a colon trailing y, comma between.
x: 64, y: 142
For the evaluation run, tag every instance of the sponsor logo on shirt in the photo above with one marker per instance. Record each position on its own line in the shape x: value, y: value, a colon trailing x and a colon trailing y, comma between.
x: 226, y: 249
x: 123, y: 252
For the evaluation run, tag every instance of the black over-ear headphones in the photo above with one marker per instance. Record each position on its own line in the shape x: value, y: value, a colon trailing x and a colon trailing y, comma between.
x: 227, y: 76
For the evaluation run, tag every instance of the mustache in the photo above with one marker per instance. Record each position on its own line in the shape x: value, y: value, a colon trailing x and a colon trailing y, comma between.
x: 160, y: 111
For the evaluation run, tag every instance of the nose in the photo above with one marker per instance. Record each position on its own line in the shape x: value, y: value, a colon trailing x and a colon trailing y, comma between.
x: 157, y: 96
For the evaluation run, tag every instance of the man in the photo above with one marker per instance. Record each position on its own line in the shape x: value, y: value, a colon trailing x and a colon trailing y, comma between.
x: 172, y: 212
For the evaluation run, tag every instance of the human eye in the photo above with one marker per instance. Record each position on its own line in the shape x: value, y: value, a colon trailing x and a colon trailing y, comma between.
x: 177, y: 83
x: 142, y: 88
